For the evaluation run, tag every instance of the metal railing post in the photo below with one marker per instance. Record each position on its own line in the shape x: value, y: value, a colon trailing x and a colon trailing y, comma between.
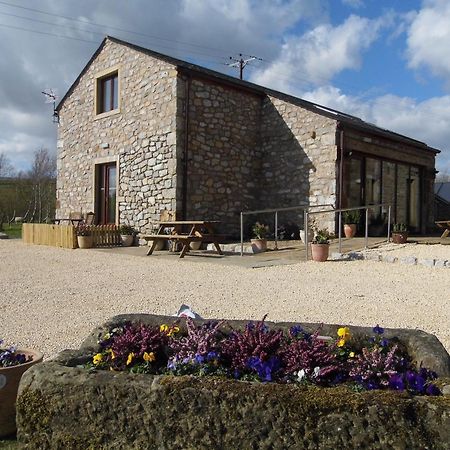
x: 276, y: 230
x: 242, y: 234
x: 389, y: 224
x: 339, y: 232
x: 366, y: 236
x: 305, y: 224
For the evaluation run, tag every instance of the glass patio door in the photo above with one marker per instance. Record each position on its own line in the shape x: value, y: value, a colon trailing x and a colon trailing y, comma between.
x: 106, y: 193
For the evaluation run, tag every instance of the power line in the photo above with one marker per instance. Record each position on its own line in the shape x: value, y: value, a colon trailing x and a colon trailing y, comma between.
x: 88, y: 22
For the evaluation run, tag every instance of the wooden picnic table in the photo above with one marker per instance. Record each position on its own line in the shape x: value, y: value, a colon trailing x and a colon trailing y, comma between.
x: 185, y: 232
x: 445, y: 224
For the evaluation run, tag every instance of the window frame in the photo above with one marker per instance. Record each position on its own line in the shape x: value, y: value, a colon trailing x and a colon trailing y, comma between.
x: 101, y: 78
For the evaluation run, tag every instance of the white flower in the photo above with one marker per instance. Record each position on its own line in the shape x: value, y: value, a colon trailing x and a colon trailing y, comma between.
x: 300, y: 375
x: 316, y: 372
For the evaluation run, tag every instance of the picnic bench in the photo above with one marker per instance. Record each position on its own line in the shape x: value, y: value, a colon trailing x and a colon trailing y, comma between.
x: 185, y: 232
x: 445, y: 225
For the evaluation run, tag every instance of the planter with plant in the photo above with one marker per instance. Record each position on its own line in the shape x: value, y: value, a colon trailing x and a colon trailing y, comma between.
x: 13, y: 363
x: 127, y: 234
x: 243, y: 384
x: 399, y: 233
x: 351, y: 220
x: 259, y: 242
x: 320, y: 245
x: 84, y: 236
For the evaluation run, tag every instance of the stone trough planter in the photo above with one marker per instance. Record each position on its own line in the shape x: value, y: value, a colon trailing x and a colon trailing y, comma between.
x: 61, y: 405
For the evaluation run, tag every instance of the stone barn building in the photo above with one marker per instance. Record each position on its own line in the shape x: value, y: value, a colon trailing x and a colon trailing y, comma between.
x: 141, y: 132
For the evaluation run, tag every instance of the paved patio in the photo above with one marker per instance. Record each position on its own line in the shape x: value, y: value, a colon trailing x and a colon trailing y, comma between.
x: 288, y: 252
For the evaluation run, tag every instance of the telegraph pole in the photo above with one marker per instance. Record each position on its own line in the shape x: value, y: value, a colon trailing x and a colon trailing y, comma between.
x: 241, y: 63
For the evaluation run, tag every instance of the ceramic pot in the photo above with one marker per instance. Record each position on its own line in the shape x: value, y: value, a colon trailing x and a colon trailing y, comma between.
x: 349, y: 229
x: 320, y: 252
x: 127, y: 240
x: 9, y: 384
x: 85, y: 241
x: 259, y: 245
x: 399, y: 237
x: 160, y: 245
x: 196, y: 245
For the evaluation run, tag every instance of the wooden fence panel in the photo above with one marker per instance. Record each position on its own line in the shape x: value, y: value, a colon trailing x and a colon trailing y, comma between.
x: 53, y: 235
x: 65, y: 235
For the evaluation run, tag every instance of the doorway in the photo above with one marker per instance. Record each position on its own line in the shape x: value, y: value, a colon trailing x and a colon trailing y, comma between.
x: 105, y: 193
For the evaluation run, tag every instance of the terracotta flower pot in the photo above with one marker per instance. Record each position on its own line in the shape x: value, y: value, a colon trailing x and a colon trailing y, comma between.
x: 399, y: 237
x: 320, y: 252
x: 127, y: 240
x: 259, y: 245
x: 9, y: 384
x: 349, y: 229
x: 85, y: 241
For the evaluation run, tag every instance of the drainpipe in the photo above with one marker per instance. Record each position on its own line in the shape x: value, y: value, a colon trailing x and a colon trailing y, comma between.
x: 341, y: 166
x: 185, y: 149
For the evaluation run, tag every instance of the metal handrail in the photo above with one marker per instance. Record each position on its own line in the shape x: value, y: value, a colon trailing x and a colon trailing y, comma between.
x: 276, y: 211
x: 340, y: 211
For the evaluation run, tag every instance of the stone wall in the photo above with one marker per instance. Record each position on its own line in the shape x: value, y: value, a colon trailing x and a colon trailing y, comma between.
x: 224, y: 154
x: 140, y: 137
x: 299, y: 160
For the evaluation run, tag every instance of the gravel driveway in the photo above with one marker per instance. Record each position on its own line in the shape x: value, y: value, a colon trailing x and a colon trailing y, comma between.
x: 52, y: 298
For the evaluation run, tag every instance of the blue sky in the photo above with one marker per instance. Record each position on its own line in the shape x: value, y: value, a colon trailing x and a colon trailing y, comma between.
x: 384, y: 61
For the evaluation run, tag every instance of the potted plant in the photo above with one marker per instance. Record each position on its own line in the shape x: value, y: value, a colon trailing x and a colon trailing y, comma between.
x: 13, y: 363
x: 399, y: 233
x: 351, y: 219
x: 259, y: 243
x: 84, y: 236
x: 320, y: 245
x: 127, y: 235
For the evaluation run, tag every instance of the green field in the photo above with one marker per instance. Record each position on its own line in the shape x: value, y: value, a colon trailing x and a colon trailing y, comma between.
x: 14, y: 231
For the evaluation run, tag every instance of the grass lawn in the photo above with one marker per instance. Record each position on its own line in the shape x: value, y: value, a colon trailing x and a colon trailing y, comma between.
x: 9, y: 444
x: 13, y: 231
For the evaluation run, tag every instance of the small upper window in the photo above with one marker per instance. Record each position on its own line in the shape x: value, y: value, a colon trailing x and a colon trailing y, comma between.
x: 108, y: 93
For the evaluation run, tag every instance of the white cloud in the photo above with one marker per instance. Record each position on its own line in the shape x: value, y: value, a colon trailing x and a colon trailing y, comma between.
x: 321, y: 53
x: 428, y: 39
x: 426, y: 121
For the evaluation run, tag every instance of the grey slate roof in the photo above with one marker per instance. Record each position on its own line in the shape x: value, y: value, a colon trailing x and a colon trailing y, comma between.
x: 345, y: 120
x: 443, y: 190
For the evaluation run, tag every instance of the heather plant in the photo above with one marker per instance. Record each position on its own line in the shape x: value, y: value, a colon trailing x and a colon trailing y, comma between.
x: 373, y: 369
x: 253, y: 351
x: 198, y: 350
x: 311, y: 359
x: 10, y: 357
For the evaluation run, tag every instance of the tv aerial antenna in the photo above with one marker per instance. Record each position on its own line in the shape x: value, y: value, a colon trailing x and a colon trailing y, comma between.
x: 241, y: 63
x: 51, y: 95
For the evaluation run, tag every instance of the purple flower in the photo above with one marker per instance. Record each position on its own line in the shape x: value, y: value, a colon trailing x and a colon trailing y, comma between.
x: 432, y: 389
x: 295, y: 330
x: 199, y: 359
x: 396, y: 382
x: 211, y: 356
x: 384, y: 343
x: 378, y: 329
x: 371, y: 385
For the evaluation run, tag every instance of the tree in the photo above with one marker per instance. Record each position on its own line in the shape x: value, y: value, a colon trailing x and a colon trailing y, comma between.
x: 6, y: 171
x: 41, y: 177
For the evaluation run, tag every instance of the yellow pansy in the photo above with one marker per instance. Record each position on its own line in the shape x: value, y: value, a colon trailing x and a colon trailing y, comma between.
x: 351, y: 354
x: 149, y: 357
x: 344, y: 333
x: 130, y: 358
x: 172, y: 331
x: 341, y: 342
x: 97, y: 359
x: 163, y: 328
